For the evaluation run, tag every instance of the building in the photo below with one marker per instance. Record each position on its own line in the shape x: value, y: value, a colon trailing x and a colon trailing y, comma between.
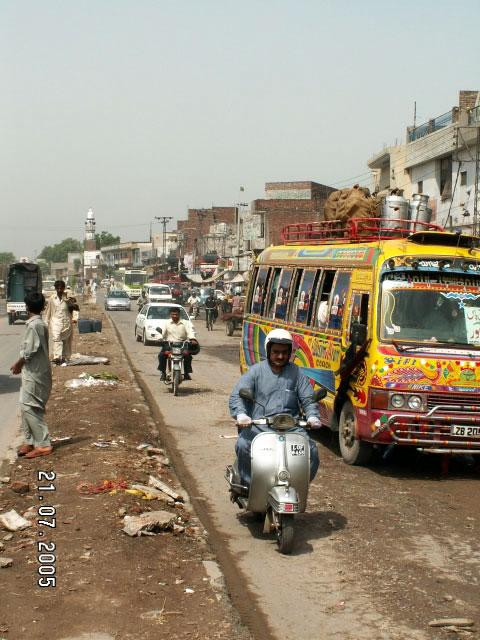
x: 284, y: 203
x: 204, y: 232
x: 126, y: 254
x: 438, y: 158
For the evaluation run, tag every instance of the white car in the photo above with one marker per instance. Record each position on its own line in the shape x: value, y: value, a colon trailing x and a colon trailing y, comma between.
x: 155, y: 315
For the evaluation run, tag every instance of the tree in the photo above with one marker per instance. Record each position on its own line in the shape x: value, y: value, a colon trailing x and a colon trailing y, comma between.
x: 6, y: 257
x: 59, y: 252
x: 105, y: 239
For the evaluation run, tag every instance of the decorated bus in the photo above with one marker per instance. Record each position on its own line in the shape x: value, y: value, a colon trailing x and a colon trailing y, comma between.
x: 387, y: 320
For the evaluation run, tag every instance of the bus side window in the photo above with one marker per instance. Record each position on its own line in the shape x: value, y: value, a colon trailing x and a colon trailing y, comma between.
x: 323, y: 297
x: 295, y: 295
x: 260, y: 291
x: 359, y: 309
x: 305, y: 298
x: 268, y: 276
x: 251, y: 292
x: 272, y: 296
x: 313, y: 298
x: 281, y: 304
x: 338, y: 299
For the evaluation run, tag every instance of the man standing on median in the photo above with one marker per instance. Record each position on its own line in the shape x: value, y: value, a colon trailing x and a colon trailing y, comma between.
x: 34, y: 365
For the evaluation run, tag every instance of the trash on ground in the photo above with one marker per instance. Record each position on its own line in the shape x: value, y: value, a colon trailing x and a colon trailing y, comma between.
x: 4, y: 479
x: 148, y: 523
x: 5, y: 562
x: 97, y: 380
x: 62, y: 439
x: 30, y: 513
x: 148, y: 493
x: 12, y: 521
x: 451, y: 622
x: 107, y: 486
x: 19, y: 486
x: 155, y: 451
x: 143, y: 445
x: 170, y: 491
x: 188, y: 590
x: 79, y: 358
x: 105, y: 444
x: 228, y: 437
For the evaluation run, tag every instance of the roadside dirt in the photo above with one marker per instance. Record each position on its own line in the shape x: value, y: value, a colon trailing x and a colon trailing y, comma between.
x: 107, y: 583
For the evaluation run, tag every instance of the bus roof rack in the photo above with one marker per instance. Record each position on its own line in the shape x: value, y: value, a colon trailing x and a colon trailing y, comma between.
x: 353, y: 230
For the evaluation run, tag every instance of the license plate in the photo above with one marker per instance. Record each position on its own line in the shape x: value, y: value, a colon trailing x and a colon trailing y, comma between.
x: 297, y: 449
x: 468, y: 432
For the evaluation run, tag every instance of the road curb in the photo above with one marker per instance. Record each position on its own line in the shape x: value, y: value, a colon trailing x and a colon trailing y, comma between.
x: 238, y: 590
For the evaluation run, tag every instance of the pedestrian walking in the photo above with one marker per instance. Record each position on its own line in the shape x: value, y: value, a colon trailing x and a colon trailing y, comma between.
x: 34, y: 365
x: 59, y: 320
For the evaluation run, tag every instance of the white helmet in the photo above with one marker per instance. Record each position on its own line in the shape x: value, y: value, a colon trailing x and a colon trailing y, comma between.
x: 278, y: 336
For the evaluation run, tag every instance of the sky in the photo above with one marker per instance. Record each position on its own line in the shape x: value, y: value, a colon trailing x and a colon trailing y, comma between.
x: 143, y: 108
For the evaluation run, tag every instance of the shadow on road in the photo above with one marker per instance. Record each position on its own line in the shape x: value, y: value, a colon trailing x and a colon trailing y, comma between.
x: 9, y: 384
x: 226, y: 352
x: 312, y: 525
x: 407, y: 462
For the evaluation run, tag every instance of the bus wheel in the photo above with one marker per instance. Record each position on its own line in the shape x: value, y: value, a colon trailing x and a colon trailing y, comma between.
x: 10, y: 318
x: 353, y: 451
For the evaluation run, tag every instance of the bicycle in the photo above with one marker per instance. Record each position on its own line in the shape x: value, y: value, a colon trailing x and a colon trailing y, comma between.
x: 209, y: 319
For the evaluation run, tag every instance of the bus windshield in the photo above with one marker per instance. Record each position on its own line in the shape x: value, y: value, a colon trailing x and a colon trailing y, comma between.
x: 135, y: 279
x: 431, y: 307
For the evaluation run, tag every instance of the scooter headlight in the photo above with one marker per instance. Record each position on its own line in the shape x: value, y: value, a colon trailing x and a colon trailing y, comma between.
x: 283, y: 475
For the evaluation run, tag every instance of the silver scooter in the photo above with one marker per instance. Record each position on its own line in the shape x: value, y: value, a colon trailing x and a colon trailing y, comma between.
x: 280, y: 474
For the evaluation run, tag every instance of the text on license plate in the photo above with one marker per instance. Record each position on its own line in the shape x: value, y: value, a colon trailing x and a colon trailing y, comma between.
x: 459, y: 430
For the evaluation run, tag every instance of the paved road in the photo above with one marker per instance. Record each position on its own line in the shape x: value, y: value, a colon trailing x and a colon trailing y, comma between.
x: 10, y: 337
x: 308, y: 595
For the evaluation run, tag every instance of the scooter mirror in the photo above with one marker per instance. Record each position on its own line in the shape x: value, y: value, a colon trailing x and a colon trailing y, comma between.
x: 159, y: 329
x: 319, y: 394
x: 247, y: 394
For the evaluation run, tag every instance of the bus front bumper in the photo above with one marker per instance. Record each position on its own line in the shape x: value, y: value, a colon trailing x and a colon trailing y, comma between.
x: 436, y: 433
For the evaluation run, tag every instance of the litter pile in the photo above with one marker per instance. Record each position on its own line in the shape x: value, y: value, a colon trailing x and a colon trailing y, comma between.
x: 103, y: 379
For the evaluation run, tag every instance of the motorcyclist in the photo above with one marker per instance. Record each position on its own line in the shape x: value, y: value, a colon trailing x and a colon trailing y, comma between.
x: 193, y: 302
x: 177, y: 330
x: 211, y: 307
x: 281, y: 387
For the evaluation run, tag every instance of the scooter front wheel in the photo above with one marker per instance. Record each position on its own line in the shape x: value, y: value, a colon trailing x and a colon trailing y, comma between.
x: 285, y: 533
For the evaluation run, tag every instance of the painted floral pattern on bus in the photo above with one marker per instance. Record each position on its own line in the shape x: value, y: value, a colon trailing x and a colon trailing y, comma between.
x: 426, y: 374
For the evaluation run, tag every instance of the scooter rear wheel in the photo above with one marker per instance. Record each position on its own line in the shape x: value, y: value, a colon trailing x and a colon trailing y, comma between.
x: 285, y: 533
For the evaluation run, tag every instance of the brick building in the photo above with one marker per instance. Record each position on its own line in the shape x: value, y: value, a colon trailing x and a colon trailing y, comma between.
x: 193, y: 232
x: 285, y: 203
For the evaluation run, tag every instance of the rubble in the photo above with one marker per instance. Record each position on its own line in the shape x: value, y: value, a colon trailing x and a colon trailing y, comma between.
x: 173, y: 493
x: 19, y: 487
x: 12, y: 521
x: 148, y: 522
x: 452, y: 622
x: 5, y: 562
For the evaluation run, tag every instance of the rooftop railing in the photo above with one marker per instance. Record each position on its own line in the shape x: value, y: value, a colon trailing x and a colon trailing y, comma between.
x: 435, y: 124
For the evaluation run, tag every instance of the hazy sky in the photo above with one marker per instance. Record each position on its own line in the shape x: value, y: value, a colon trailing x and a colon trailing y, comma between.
x: 140, y: 108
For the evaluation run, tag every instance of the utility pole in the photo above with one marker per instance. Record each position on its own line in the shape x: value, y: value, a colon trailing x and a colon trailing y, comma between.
x: 477, y: 176
x: 237, y: 213
x: 164, y: 220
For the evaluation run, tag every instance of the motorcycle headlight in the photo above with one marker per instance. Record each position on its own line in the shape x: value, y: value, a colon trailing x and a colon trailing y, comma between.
x: 283, y: 475
x: 397, y: 401
x: 415, y: 403
x: 283, y: 421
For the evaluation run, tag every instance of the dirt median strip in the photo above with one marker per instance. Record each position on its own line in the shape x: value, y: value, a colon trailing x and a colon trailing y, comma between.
x: 106, y: 582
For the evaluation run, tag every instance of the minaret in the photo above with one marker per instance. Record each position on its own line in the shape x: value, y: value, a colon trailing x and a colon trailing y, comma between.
x: 89, y: 242
x: 89, y: 247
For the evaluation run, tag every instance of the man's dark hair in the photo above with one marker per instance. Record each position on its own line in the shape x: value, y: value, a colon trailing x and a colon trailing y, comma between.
x: 176, y: 309
x: 58, y: 283
x: 35, y: 302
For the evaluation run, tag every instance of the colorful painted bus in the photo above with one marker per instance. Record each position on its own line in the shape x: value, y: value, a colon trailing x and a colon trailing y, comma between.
x: 413, y: 296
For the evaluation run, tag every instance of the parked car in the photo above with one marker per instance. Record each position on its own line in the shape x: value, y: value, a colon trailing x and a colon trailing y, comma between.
x: 154, y: 292
x: 117, y: 300
x: 155, y: 315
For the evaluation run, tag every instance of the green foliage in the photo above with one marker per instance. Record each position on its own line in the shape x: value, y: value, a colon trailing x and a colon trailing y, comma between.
x: 6, y: 257
x: 59, y: 252
x: 105, y: 239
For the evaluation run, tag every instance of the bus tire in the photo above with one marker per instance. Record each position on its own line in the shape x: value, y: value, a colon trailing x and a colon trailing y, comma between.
x: 10, y: 318
x: 353, y: 450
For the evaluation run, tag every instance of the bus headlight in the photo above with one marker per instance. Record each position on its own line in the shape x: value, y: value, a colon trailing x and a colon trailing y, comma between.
x: 415, y: 403
x: 397, y: 401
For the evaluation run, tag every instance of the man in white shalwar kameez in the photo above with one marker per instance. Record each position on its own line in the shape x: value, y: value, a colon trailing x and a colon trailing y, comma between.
x: 59, y: 321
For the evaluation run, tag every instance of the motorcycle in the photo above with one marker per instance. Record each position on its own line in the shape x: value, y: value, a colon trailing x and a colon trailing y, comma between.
x: 174, y: 370
x: 280, y: 474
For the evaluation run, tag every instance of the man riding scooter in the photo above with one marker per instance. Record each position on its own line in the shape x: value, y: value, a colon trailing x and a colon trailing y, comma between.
x: 281, y: 387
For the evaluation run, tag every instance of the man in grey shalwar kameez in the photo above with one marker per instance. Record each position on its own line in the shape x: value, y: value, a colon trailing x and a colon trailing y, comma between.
x: 34, y: 365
